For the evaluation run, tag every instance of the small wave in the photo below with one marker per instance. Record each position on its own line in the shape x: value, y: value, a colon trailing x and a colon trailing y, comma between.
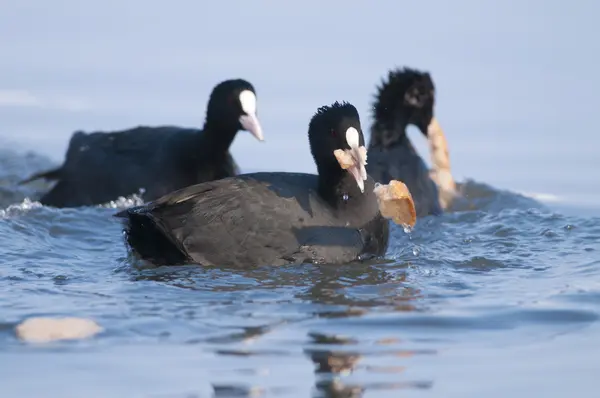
x: 16, y: 166
x: 19, y: 208
x: 473, y: 195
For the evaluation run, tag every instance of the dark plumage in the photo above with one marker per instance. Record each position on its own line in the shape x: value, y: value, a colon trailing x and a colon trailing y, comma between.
x: 406, y: 97
x: 271, y: 218
x: 100, y: 167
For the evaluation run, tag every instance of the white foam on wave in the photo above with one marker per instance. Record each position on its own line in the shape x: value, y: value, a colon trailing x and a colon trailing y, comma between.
x: 18, y: 209
x: 123, y: 202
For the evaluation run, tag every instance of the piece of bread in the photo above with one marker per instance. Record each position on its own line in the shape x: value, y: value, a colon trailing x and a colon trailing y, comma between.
x: 43, y: 330
x: 396, y: 203
x: 440, y: 160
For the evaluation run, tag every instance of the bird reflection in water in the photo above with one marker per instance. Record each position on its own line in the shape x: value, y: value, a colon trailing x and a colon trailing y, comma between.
x: 322, y: 295
x: 333, y: 366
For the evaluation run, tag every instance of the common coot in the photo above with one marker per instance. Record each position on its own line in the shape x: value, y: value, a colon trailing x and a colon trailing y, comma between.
x: 100, y: 167
x: 408, y: 97
x: 276, y: 218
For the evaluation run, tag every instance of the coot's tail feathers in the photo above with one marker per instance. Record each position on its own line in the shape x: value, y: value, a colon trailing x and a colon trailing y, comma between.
x: 122, y: 214
x: 149, y: 240
x: 54, y: 174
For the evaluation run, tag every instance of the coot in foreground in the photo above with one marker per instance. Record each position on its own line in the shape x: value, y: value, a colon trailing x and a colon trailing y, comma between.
x: 100, y: 167
x: 408, y: 97
x: 277, y: 218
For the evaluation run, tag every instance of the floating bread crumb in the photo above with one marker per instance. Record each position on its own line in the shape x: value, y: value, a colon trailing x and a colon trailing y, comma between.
x: 43, y: 330
x: 396, y: 203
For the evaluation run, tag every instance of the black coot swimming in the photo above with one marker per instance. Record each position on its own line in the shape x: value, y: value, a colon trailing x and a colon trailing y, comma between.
x: 272, y: 218
x: 406, y: 97
x: 100, y: 167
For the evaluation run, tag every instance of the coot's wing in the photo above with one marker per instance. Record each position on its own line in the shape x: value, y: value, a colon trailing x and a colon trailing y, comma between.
x: 58, y: 173
x: 235, y: 221
x: 93, y: 149
x: 243, y: 221
x: 102, y: 166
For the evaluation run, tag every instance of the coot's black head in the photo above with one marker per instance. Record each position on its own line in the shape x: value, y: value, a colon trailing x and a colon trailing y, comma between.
x: 232, y: 106
x: 406, y: 97
x: 337, y: 142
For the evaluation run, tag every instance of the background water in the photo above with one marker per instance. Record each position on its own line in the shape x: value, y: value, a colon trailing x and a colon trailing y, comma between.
x: 501, y: 299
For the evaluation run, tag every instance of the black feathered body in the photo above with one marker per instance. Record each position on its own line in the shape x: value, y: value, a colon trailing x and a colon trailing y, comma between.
x: 258, y: 219
x: 100, y: 167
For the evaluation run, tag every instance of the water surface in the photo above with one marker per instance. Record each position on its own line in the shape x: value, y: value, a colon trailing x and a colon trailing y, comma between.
x: 499, y: 298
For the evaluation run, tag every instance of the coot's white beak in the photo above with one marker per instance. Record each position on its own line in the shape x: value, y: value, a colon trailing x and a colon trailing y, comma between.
x: 354, y: 159
x: 249, y: 121
x: 251, y: 124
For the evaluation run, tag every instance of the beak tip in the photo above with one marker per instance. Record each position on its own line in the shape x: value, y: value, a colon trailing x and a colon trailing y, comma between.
x: 251, y: 124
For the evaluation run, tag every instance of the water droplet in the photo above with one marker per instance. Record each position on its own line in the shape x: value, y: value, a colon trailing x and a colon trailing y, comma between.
x: 416, y: 251
x: 345, y: 197
x: 407, y: 229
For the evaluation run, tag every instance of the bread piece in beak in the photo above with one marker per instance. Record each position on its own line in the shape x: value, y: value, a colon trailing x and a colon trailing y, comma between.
x: 396, y: 203
x: 440, y: 172
x: 354, y: 159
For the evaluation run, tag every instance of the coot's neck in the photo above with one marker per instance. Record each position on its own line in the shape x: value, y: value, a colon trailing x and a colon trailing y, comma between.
x: 338, y: 188
x: 390, y: 133
x: 217, y: 136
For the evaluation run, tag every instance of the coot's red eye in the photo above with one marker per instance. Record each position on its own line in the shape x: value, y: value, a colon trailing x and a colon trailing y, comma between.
x: 333, y: 134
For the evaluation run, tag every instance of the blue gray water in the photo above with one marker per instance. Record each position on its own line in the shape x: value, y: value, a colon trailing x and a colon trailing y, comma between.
x: 500, y: 299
